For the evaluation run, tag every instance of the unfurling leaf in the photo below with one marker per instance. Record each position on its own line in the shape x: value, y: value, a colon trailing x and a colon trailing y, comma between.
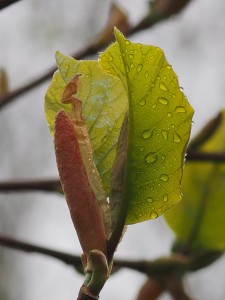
x: 198, y: 221
x: 104, y: 104
x: 159, y: 122
x: 81, y: 200
x: 132, y: 124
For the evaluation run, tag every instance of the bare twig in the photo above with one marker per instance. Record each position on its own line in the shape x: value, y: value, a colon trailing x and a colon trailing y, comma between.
x: 5, y: 3
x: 150, y: 268
x: 175, y: 286
x: 203, y: 157
x: 48, y: 185
x: 68, y: 259
x: 161, y: 10
x: 54, y: 185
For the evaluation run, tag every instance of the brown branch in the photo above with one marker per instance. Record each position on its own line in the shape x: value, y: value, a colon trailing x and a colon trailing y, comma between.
x: 175, y: 287
x: 150, y: 268
x: 48, y: 185
x: 205, y: 157
x: 54, y: 185
x: 161, y: 10
x: 68, y: 259
x: 5, y: 3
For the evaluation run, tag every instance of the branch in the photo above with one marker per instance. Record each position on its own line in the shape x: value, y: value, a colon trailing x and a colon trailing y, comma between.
x: 5, y: 3
x: 203, y: 157
x: 54, y: 185
x: 48, y: 185
x: 160, y: 10
x: 68, y: 259
x: 150, y: 268
x: 175, y: 287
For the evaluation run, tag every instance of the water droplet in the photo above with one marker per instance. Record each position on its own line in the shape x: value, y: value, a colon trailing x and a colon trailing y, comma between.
x: 141, y: 149
x: 131, y: 56
x: 165, y: 134
x: 163, y: 86
x: 154, y: 106
x: 150, y: 200
x: 169, y: 115
x: 164, y: 77
x: 164, y: 177
x: 163, y: 157
x: 180, y: 109
x: 165, y: 198
x: 176, y: 138
x: 146, y: 74
x: 169, y: 67
x: 139, y: 68
x: 132, y: 65
x: 159, y: 209
x: 151, y: 157
x: 127, y: 69
x: 153, y: 215
x: 163, y: 101
x: 146, y: 134
x: 142, y: 102
x: 127, y: 42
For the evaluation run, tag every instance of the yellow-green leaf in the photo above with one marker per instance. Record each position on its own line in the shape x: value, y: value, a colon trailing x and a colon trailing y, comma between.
x: 104, y: 104
x: 158, y: 131
x: 198, y: 221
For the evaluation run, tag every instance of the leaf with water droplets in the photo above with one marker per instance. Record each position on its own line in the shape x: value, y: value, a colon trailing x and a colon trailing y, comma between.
x: 104, y: 104
x: 159, y: 127
x: 198, y: 220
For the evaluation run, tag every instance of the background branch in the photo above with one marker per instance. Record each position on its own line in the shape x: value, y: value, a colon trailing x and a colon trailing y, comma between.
x: 5, y: 3
x: 202, y: 156
x: 68, y: 259
x: 54, y: 185
x: 45, y: 185
x: 160, y: 10
x: 150, y: 268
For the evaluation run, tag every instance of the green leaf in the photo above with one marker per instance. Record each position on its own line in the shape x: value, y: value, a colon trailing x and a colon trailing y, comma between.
x: 198, y: 221
x: 158, y: 131
x: 104, y: 106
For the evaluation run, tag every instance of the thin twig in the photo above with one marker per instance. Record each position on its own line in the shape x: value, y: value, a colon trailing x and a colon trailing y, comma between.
x: 46, y: 185
x: 5, y: 3
x: 175, y: 287
x: 68, y: 259
x: 204, y: 157
x: 54, y: 185
x: 150, y: 268
x: 161, y: 11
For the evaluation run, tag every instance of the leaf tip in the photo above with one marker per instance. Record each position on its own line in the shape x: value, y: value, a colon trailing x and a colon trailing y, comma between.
x: 118, y: 34
x: 57, y: 54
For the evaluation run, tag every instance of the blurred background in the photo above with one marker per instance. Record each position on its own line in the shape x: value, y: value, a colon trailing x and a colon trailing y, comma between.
x: 30, y: 33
